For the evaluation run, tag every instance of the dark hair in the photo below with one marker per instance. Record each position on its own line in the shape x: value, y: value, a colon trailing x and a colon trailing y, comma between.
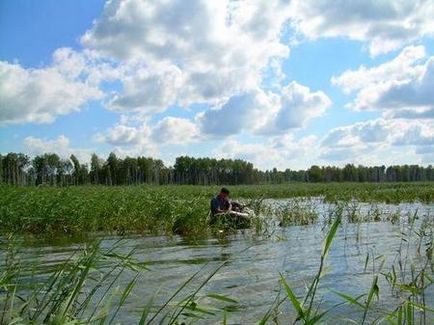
x: 224, y: 190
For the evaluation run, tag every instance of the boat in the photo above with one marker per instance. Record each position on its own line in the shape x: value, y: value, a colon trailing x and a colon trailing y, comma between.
x: 232, y: 219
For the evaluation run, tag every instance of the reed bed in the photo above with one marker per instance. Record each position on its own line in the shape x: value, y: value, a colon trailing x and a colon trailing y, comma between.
x: 172, y: 209
x: 96, y: 283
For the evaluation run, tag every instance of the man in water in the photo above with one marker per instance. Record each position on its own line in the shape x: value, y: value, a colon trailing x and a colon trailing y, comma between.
x: 221, y: 204
x: 222, y: 207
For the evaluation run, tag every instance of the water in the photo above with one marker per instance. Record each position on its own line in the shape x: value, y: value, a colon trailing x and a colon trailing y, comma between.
x: 253, y: 264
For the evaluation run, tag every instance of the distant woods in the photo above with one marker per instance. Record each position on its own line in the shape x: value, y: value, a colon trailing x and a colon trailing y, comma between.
x: 50, y: 169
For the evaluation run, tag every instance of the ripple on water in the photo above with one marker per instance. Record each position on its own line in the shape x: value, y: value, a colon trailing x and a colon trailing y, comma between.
x: 253, y: 264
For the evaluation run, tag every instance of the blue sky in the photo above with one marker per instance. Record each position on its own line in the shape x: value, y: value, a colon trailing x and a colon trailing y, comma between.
x: 281, y: 85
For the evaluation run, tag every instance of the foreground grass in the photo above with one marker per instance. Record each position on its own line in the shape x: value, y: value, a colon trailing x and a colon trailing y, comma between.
x: 96, y: 285
x: 165, y: 209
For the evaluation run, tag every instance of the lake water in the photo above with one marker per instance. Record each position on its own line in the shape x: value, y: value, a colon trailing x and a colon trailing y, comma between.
x: 253, y: 264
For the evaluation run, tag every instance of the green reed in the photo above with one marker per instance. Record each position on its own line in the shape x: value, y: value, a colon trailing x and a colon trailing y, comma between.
x: 173, y: 209
x: 95, y: 284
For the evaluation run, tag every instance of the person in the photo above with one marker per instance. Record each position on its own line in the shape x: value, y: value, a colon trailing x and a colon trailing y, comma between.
x: 221, y: 203
x: 221, y: 206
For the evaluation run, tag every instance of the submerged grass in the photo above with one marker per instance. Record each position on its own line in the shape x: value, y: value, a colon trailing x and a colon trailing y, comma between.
x: 96, y: 284
x: 93, y: 285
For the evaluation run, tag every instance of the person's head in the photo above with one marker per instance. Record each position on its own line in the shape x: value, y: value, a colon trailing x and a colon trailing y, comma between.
x: 224, y: 192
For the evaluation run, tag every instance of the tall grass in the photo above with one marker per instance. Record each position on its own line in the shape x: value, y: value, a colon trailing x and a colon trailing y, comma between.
x: 170, y: 209
x: 96, y: 284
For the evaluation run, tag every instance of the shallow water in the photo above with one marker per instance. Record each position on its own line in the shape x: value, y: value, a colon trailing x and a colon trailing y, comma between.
x: 253, y: 264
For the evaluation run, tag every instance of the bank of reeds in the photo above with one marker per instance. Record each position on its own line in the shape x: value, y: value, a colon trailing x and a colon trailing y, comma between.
x: 173, y: 209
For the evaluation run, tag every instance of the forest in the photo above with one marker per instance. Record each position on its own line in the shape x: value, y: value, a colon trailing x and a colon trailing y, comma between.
x: 51, y: 169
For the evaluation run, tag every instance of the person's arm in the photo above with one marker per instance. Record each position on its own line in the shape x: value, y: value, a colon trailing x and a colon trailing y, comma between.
x: 216, y: 207
x: 223, y: 211
x: 229, y: 205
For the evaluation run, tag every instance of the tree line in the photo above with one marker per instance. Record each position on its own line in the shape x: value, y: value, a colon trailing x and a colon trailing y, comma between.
x: 50, y: 169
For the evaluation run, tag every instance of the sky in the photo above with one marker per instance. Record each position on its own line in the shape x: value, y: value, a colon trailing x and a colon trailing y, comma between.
x: 284, y: 84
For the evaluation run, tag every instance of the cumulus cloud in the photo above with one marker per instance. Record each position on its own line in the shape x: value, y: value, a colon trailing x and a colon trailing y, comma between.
x: 405, y: 82
x: 417, y: 92
x: 378, y: 139
x: 419, y: 135
x: 41, y: 95
x: 413, y: 113
x: 242, y: 111
x: 122, y: 134
x: 59, y: 145
x: 175, y: 52
x: 400, y: 69
x: 169, y: 130
x: 361, y: 133
x: 195, y: 51
x: 340, y: 154
x: 126, y: 140
x: 384, y: 25
x: 173, y: 130
x: 265, y: 113
x: 280, y: 151
x: 149, y: 91
x: 298, y: 105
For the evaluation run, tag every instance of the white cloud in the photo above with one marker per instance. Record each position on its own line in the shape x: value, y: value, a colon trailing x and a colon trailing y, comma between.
x: 358, y: 134
x: 188, y: 52
x: 41, y: 95
x: 280, y: 151
x: 245, y: 111
x: 400, y: 68
x: 174, y: 52
x: 340, y: 154
x: 122, y: 134
x: 169, y: 130
x: 60, y: 146
x: 145, y: 150
x: 405, y: 82
x: 149, y: 91
x: 228, y: 54
x: 265, y: 113
x: 126, y: 140
x: 370, y: 142
x: 298, y: 105
x: 419, y: 135
x: 416, y: 92
x: 384, y: 25
x: 172, y: 130
x: 412, y: 113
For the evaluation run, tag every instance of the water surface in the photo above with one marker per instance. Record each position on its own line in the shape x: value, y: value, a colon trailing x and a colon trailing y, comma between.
x: 253, y: 264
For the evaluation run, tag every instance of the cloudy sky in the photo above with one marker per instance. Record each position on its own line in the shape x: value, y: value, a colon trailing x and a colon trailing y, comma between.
x: 279, y: 83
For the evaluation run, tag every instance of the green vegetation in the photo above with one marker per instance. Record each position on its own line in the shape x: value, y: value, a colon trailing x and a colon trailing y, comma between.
x: 95, y: 285
x: 175, y: 209
x: 50, y: 169
x: 91, y: 287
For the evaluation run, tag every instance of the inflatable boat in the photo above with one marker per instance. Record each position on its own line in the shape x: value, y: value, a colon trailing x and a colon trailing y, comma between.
x: 232, y: 219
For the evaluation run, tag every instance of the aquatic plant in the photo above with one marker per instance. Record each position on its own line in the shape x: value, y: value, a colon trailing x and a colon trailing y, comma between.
x: 173, y: 209
x: 96, y: 283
